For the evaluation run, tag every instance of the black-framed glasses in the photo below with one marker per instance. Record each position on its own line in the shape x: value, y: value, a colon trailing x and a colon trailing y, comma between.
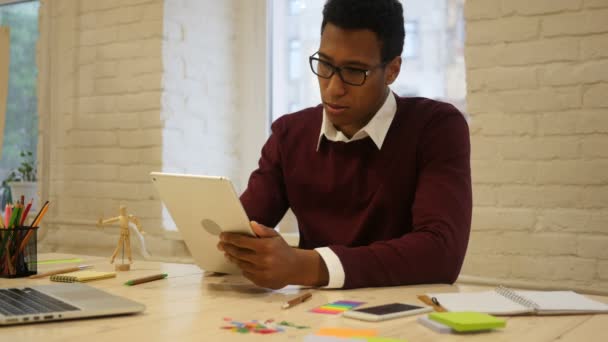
x: 348, y: 75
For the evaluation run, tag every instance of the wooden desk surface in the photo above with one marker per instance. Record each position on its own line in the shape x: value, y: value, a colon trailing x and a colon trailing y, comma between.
x: 189, y: 306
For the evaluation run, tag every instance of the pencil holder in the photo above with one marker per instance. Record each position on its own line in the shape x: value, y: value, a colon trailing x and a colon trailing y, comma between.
x: 18, y: 255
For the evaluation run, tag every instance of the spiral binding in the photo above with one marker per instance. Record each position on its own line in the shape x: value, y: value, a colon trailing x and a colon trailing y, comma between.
x: 64, y: 278
x: 512, y: 295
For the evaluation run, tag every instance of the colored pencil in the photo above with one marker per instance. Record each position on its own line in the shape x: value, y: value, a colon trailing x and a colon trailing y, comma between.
x: 146, y: 279
x: 25, y: 212
x: 60, y: 271
x: 39, y: 212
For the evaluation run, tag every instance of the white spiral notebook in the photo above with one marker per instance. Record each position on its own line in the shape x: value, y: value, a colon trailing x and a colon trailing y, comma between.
x: 504, y: 301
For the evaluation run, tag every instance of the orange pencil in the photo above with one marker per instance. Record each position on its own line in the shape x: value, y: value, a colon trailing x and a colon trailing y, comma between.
x: 39, y: 212
x: 41, y: 215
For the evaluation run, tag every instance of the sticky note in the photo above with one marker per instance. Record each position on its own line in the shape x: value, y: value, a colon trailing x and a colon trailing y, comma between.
x: 467, y: 321
x: 337, y: 307
x: 347, y: 332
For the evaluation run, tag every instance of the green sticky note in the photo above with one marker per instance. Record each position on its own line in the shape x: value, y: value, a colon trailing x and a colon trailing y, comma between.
x: 468, y: 321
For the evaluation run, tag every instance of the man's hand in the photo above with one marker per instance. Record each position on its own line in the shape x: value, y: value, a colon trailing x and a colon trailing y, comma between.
x: 268, y: 260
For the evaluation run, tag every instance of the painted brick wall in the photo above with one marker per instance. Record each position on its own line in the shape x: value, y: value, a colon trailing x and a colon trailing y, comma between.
x: 537, y: 79
x: 199, y: 104
x: 200, y: 87
x: 100, y: 94
x: 131, y: 86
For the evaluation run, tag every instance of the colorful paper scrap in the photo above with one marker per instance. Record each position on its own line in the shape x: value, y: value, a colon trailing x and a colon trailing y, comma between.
x: 257, y: 327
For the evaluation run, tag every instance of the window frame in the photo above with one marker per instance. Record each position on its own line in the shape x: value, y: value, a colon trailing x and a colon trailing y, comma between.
x: 37, y: 85
x: 11, y: 2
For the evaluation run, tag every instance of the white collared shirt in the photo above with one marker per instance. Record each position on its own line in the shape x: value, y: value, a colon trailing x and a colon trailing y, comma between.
x: 376, y: 129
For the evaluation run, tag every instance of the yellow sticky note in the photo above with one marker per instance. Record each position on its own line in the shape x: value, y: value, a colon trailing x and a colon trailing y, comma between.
x: 347, y: 332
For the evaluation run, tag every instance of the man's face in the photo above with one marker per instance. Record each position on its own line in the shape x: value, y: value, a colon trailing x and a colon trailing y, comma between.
x: 351, y: 107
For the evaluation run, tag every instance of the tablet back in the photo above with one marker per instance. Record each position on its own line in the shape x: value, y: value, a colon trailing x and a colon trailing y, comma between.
x: 202, y: 207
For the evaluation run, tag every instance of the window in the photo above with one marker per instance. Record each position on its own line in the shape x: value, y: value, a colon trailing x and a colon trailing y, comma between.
x: 21, y: 122
x: 411, y: 46
x: 295, y: 67
x: 433, y: 61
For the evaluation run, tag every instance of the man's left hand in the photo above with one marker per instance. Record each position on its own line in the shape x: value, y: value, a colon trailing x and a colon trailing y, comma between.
x: 267, y: 260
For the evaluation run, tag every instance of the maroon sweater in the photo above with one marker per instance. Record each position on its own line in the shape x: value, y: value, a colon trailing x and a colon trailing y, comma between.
x: 395, y: 216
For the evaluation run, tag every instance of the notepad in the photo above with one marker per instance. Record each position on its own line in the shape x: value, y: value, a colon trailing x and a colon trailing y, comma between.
x: 82, y: 276
x: 505, y: 301
x: 468, y: 321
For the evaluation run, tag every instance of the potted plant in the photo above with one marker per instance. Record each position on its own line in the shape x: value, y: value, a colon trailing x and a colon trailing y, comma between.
x: 5, y: 191
x: 23, y: 181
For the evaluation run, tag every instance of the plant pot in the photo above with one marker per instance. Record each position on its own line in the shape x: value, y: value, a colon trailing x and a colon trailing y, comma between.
x: 29, y: 190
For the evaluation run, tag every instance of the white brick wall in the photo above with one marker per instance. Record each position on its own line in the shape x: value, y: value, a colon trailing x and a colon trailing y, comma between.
x: 537, y: 79
x: 131, y: 86
x: 199, y: 106
x: 100, y: 102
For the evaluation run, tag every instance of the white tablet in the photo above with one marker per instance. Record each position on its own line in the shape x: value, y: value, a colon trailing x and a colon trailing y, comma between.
x: 202, y: 207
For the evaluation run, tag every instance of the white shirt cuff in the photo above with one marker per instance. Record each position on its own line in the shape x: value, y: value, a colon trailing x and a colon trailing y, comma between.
x: 334, y: 267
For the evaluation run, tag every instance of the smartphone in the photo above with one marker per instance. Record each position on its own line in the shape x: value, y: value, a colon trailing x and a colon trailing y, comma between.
x: 387, y: 311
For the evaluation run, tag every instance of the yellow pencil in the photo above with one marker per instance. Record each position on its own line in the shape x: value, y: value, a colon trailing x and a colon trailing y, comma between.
x: 60, y: 271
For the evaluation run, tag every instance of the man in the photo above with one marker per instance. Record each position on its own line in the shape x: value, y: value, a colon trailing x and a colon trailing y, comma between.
x: 380, y: 184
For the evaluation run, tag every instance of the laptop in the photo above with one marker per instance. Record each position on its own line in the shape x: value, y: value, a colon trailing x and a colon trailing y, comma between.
x: 44, y: 303
x: 202, y: 207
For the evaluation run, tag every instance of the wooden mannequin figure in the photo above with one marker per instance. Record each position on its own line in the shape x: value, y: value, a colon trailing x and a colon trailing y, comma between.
x: 124, y: 243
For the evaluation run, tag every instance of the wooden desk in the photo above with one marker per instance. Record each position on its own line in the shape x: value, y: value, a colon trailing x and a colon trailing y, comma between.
x: 189, y: 306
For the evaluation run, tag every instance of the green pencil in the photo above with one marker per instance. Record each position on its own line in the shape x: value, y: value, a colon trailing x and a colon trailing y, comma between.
x: 146, y: 279
x: 12, y: 223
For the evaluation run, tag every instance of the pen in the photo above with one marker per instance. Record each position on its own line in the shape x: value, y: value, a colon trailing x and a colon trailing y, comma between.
x: 433, y: 302
x: 59, y: 271
x: 146, y: 279
x: 297, y: 300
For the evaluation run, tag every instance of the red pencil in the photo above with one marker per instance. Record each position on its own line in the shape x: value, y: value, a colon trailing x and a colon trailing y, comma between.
x: 27, y: 210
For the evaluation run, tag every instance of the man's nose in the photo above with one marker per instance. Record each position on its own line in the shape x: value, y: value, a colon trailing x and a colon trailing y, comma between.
x: 336, y: 86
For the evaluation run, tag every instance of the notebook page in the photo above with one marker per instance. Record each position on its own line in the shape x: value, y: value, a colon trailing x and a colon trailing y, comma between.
x: 486, y: 301
x: 563, y: 301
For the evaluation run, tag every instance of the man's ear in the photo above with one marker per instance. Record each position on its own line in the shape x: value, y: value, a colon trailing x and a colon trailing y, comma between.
x: 392, y: 70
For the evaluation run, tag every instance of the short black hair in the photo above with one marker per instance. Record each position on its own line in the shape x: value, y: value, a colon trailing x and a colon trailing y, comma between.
x: 383, y: 17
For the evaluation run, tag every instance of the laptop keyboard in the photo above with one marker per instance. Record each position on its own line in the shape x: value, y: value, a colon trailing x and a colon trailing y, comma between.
x: 15, y: 302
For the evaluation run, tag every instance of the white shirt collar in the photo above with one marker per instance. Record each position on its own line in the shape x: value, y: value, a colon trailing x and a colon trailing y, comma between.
x: 376, y: 128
